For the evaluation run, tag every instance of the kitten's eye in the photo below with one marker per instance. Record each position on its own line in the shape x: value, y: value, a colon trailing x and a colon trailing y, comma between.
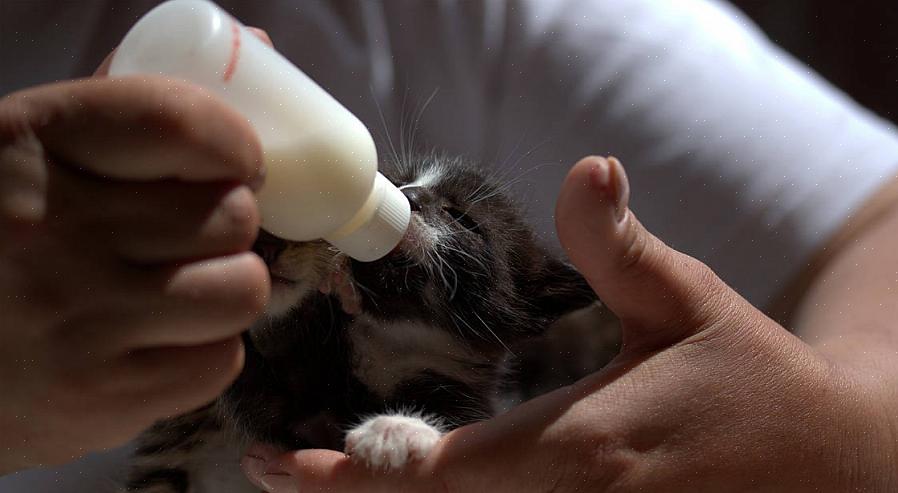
x: 462, y: 219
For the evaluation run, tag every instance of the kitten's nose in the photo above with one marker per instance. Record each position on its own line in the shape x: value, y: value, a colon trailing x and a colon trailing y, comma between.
x: 416, y: 197
x: 268, y: 246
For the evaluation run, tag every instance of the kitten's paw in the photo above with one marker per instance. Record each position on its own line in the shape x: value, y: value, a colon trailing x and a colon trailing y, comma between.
x: 339, y: 283
x: 391, y: 442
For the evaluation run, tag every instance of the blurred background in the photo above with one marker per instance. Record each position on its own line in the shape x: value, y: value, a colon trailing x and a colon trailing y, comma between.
x: 853, y: 44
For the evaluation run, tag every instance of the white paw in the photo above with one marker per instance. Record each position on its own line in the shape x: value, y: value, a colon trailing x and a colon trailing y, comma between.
x: 391, y: 442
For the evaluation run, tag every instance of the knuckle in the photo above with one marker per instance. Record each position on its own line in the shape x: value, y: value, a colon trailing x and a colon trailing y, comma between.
x: 166, y: 106
x: 609, y: 464
x: 233, y: 358
x: 194, y: 117
x: 226, y: 138
x: 637, y: 246
x: 238, y: 288
x: 23, y: 172
x: 705, y: 277
x: 241, y: 216
x: 715, y: 298
x: 14, y: 115
x: 253, y: 299
x: 248, y: 156
x: 591, y: 462
x: 176, y: 113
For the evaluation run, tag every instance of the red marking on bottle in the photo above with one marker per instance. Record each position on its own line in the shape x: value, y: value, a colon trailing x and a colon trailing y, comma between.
x: 235, y: 51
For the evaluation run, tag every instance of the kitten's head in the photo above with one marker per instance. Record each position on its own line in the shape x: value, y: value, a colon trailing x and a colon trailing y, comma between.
x: 469, y: 264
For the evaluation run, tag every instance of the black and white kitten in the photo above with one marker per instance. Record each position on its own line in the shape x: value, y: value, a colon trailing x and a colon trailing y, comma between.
x: 378, y: 359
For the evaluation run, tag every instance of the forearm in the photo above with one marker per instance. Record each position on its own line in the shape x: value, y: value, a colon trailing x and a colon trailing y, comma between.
x: 849, y: 314
x: 848, y: 308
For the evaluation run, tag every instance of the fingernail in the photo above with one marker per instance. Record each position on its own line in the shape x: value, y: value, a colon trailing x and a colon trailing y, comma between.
x: 599, y: 174
x: 256, y: 460
x: 621, y: 187
x: 607, y: 176
x: 279, y: 483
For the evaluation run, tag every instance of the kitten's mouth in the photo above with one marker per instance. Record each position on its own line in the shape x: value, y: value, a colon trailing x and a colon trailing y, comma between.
x: 277, y: 280
x: 413, y: 240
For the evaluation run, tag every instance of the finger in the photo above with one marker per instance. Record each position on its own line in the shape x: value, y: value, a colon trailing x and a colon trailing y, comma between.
x: 193, y: 304
x: 262, y: 35
x: 138, y: 129
x: 22, y: 184
x: 644, y: 282
x: 231, y: 291
x: 138, y: 388
x: 156, y: 222
x: 174, y: 380
x: 326, y: 470
x: 228, y: 227
x: 255, y: 462
x: 207, y: 301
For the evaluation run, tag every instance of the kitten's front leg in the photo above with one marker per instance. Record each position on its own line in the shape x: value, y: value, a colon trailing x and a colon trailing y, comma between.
x: 391, y: 441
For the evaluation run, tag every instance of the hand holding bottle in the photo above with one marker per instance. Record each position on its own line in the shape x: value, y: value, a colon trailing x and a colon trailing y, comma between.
x: 126, y: 216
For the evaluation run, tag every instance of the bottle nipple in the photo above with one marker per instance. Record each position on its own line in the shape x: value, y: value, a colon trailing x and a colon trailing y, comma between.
x: 378, y: 227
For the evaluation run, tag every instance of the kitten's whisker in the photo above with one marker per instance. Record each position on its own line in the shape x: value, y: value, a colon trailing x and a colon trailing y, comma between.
x: 441, y: 264
x: 498, y: 177
x: 407, y: 287
x: 458, y: 318
x: 402, y: 124
x: 417, y: 119
x: 500, y: 172
x: 446, y: 263
x: 454, y: 221
x: 383, y: 121
x: 504, y: 162
x: 484, y: 270
x: 372, y: 296
x: 476, y: 191
x: 505, y: 187
x: 493, y: 333
x: 531, y: 151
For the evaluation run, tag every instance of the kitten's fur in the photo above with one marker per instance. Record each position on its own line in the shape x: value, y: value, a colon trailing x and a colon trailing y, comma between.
x: 396, y: 351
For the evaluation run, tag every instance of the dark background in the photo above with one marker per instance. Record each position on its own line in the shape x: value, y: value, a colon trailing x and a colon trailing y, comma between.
x: 854, y: 44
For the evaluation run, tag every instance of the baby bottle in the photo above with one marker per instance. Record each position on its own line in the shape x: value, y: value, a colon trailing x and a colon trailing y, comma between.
x: 322, y: 179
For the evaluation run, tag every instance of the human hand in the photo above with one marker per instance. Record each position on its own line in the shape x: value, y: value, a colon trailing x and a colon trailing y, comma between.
x: 708, y: 394
x: 126, y: 216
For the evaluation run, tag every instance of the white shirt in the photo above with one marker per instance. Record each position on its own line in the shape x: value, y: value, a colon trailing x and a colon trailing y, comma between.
x: 737, y: 154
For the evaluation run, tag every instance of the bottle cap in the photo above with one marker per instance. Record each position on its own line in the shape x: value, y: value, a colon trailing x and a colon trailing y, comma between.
x: 383, y: 231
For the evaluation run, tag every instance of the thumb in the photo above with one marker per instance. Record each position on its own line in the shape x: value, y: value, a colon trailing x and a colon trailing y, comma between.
x: 661, y: 295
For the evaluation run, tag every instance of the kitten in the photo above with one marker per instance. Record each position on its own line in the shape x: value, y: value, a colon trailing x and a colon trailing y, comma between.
x: 378, y: 359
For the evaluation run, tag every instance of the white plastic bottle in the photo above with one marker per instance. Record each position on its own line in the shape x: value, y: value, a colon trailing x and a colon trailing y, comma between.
x: 321, y: 163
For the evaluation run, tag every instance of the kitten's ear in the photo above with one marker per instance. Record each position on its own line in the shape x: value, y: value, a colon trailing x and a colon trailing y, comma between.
x: 560, y: 289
